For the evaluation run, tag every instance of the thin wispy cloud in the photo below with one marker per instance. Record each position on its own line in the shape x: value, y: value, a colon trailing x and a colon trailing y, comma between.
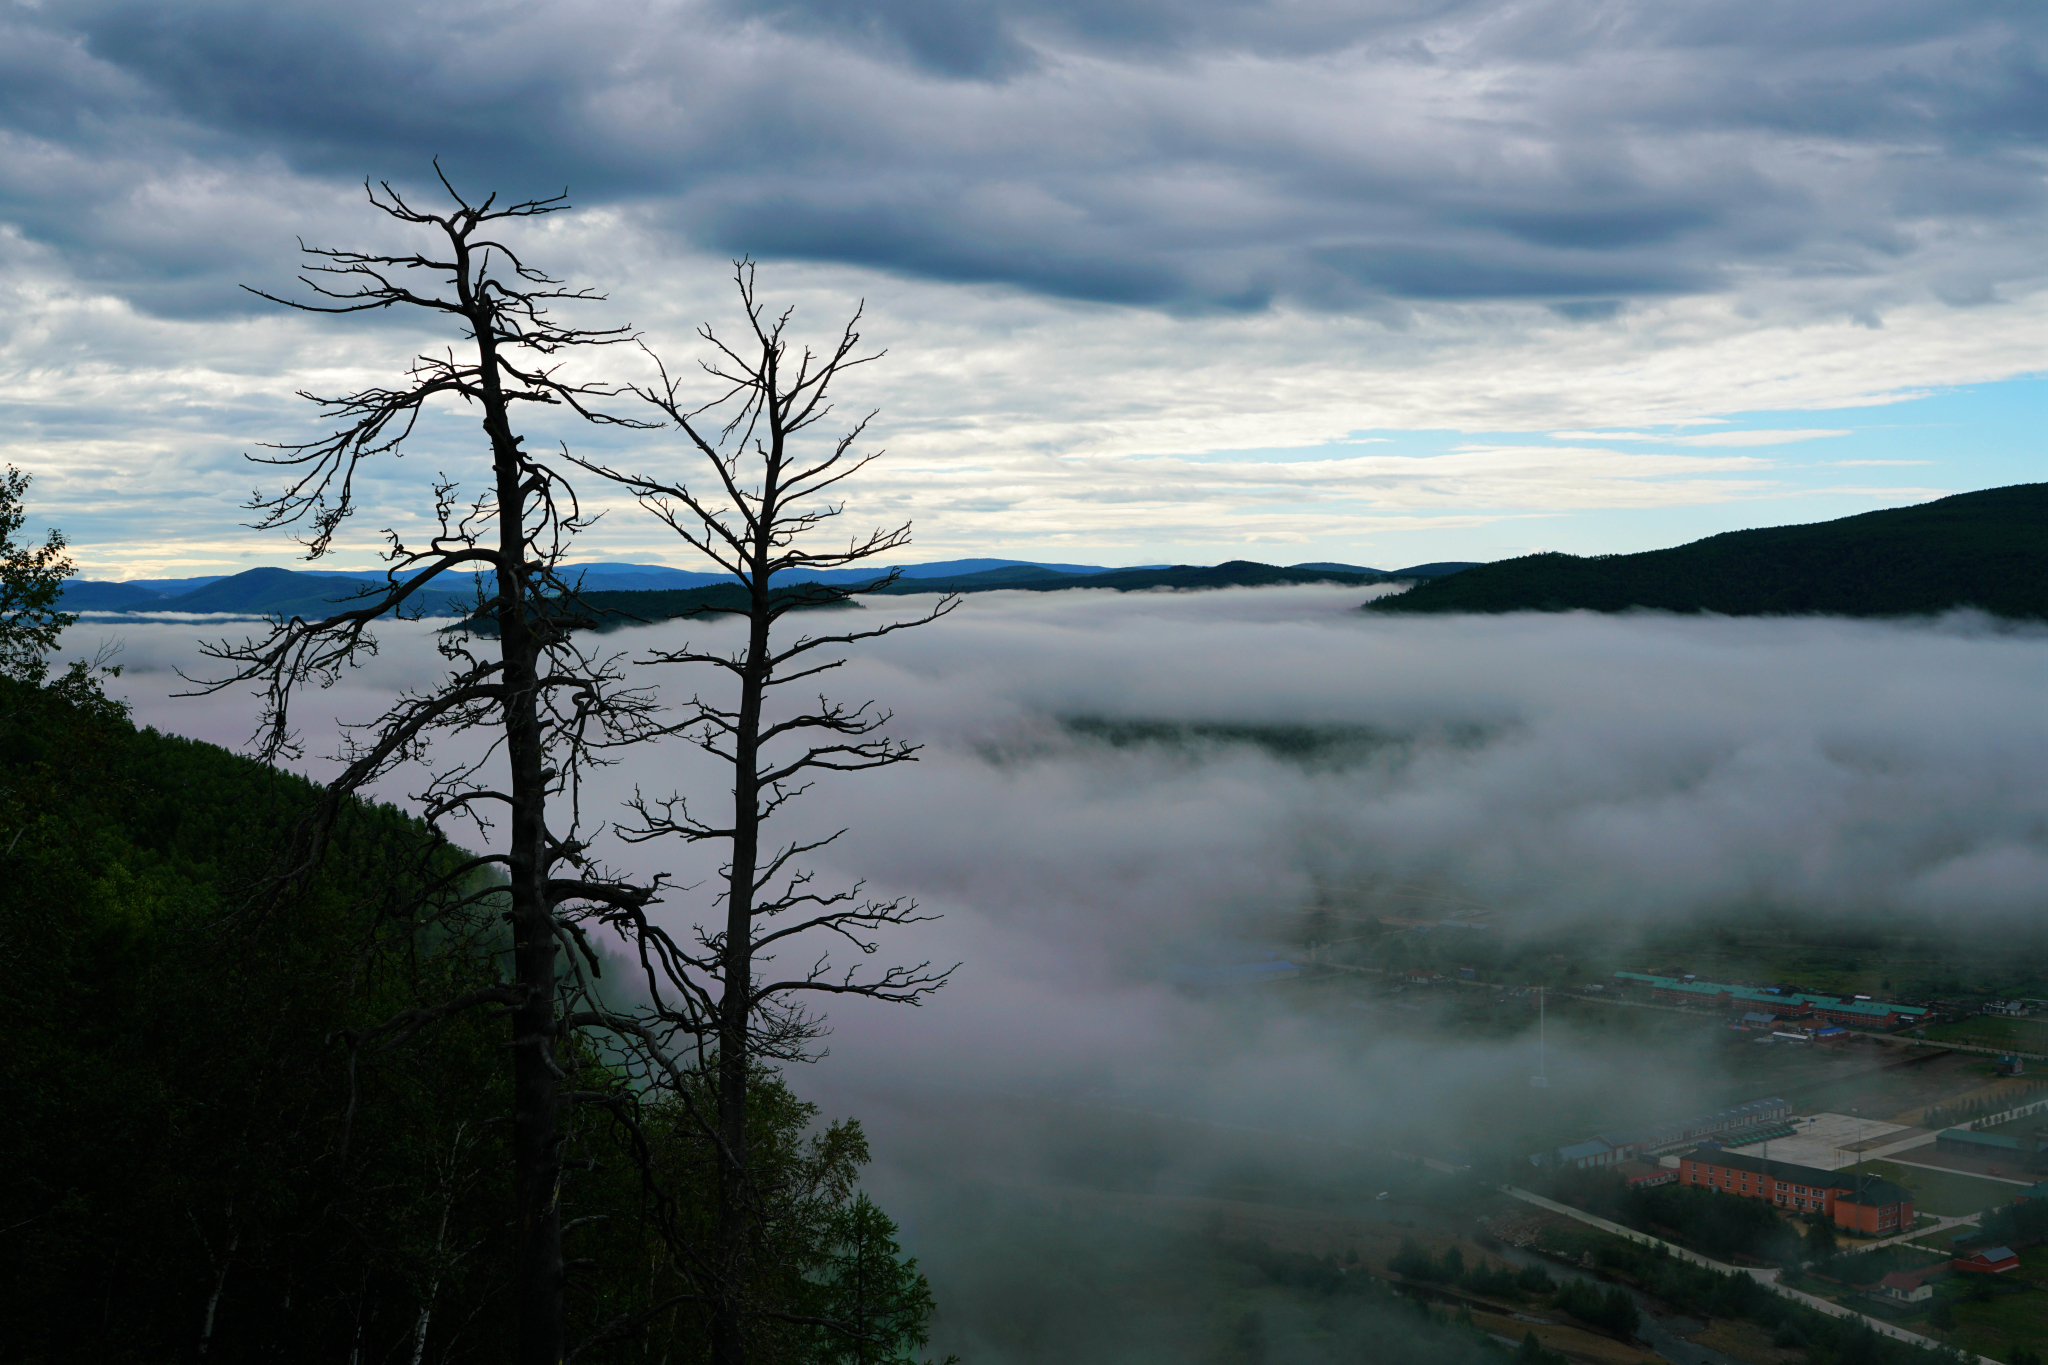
x: 1710, y: 438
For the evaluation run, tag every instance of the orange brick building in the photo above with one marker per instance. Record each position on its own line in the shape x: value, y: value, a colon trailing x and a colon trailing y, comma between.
x: 1864, y: 1204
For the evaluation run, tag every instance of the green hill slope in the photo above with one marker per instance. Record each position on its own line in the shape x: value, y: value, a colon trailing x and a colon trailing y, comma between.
x: 1987, y: 550
x: 189, y: 1145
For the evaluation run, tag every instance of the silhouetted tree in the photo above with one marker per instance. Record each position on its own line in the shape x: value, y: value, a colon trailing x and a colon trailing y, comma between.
x: 537, y: 700
x: 759, y: 513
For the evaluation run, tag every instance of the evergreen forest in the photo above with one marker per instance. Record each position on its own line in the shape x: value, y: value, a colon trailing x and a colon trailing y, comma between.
x: 207, y: 1158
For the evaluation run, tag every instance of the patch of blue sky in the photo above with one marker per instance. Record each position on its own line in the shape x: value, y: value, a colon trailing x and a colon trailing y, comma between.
x: 1803, y: 465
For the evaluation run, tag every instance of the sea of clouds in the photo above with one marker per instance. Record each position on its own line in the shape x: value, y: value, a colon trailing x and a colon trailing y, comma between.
x: 1606, y: 771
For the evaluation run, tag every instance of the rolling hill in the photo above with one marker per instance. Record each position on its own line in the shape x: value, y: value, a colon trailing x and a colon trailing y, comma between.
x: 619, y: 593
x: 1235, y: 573
x: 1987, y: 550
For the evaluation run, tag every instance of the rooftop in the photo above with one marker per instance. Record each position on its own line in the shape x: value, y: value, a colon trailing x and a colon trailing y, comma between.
x: 1831, y: 1141
x: 1710, y: 989
x: 1776, y: 1170
x: 1868, y: 1189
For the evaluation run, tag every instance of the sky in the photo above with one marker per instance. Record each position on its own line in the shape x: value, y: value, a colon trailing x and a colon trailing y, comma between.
x: 1380, y: 283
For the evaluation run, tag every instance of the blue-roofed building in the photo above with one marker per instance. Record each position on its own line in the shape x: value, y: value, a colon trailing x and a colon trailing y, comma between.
x: 1774, y: 1001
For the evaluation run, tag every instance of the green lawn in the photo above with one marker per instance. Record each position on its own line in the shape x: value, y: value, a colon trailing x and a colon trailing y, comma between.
x: 2018, y: 1316
x: 1946, y: 1193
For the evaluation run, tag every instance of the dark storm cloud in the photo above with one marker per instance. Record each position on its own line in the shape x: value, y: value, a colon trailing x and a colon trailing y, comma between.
x: 1195, y: 156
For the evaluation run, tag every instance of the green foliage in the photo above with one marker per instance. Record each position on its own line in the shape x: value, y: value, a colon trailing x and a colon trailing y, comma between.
x: 1820, y: 1243
x: 1984, y: 549
x: 1697, y: 1290
x: 1720, y: 1225
x: 2018, y: 1224
x: 1868, y: 1267
x: 861, y: 1279
x: 1610, y: 1309
x: 194, y: 1157
x: 31, y: 585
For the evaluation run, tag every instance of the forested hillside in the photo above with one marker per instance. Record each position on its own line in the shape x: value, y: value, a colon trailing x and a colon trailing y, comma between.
x: 194, y: 1165
x: 1987, y: 550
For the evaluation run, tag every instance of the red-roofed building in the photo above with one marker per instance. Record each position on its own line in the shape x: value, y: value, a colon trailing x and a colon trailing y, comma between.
x: 1989, y: 1261
x: 1861, y: 1203
x: 1906, y: 1286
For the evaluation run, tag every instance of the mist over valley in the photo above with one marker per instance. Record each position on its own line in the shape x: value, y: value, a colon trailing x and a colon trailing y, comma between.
x: 1122, y: 798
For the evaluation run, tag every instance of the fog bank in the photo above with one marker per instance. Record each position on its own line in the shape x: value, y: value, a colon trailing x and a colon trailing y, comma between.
x: 1118, y: 787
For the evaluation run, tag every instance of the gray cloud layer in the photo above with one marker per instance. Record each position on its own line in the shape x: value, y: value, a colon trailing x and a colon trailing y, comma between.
x: 1208, y: 156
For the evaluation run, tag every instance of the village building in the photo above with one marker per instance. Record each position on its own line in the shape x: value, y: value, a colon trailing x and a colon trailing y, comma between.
x: 1739, y: 1123
x: 1989, y: 1261
x: 1906, y: 1286
x: 1641, y: 1175
x: 1864, y: 1204
x: 1780, y: 1004
x: 2020, y: 1153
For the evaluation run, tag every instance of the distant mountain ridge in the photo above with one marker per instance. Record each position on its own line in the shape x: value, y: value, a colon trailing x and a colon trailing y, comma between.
x: 1987, y: 549
x: 309, y: 593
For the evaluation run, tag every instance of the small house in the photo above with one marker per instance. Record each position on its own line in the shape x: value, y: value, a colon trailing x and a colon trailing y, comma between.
x: 1906, y: 1286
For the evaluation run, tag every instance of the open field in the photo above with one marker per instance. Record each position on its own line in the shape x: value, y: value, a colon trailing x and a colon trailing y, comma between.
x: 1949, y: 1194
x: 1886, y: 956
x: 1746, y: 1341
x: 2006, y: 1172
x: 2017, y: 1314
x: 1984, y: 1030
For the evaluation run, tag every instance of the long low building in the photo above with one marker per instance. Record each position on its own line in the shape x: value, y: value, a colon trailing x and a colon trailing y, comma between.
x: 1829, y: 1009
x: 1865, y: 1204
x: 2024, y: 1153
x: 1626, y: 1144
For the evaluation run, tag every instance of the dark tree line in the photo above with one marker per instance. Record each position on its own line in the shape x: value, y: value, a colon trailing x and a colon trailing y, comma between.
x: 196, y: 1168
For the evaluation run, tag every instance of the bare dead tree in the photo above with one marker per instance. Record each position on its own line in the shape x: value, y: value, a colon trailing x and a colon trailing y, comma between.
x: 542, y: 708
x: 760, y: 514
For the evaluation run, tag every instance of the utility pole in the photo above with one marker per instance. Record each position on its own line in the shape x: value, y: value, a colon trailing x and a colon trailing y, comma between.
x: 1541, y: 1080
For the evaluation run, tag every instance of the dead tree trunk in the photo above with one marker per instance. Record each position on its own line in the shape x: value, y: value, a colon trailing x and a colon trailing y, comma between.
x: 757, y: 516
x: 536, y: 700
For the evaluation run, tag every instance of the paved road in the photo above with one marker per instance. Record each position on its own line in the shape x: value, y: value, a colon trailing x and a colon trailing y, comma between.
x: 1767, y: 1278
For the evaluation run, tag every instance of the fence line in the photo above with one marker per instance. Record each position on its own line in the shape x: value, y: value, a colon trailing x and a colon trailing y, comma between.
x: 2017, y: 1112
